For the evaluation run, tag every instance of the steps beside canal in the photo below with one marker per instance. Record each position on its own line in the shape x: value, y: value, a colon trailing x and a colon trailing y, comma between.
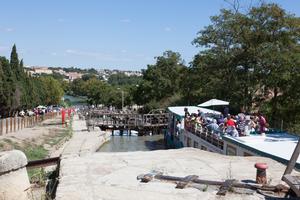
x: 83, y: 141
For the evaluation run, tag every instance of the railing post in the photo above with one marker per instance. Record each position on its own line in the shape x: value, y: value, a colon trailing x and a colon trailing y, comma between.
x: 15, y: 124
x: 10, y: 122
x: 6, y: 125
x: 1, y: 126
x: 18, y: 125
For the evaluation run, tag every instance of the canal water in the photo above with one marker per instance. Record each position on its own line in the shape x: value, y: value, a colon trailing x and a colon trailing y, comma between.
x: 133, y: 143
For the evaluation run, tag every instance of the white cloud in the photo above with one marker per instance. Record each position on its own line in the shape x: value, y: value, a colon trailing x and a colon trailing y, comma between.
x: 61, y: 20
x: 6, y: 29
x: 167, y: 29
x: 9, y: 29
x: 97, y: 55
x: 125, y: 20
x: 118, y: 56
x: 4, y: 48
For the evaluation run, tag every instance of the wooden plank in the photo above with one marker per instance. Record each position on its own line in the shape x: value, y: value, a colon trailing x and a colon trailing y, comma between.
x: 186, y: 180
x: 228, y: 184
x: 293, y: 159
x: 293, y: 182
x: 43, y: 162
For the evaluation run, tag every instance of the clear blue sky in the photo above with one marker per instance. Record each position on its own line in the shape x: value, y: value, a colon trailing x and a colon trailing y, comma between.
x: 115, y: 34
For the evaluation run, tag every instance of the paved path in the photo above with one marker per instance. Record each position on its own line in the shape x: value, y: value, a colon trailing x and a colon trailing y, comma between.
x: 83, y: 142
x: 112, y: 176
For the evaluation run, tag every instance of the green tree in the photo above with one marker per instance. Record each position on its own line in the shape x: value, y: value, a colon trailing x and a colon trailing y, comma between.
x: 121, y: 79
x: 9, y: 87
x: 2, y: 90
x: 97, y: 91
x: 248, y: 59
x: 52, y: 91
x: 160, y: 86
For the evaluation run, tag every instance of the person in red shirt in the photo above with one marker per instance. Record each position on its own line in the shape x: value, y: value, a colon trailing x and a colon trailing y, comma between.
x: 229, y: 122
x: 230, y: 127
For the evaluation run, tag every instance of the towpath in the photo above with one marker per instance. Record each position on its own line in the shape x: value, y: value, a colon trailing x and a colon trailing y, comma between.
x: 113, y: 176
x: 83, y: 141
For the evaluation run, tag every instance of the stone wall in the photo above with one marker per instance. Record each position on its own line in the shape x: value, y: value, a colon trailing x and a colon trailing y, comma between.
x: 14, y: 182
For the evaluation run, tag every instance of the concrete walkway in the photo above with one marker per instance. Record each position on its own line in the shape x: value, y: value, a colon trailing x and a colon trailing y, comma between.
x: 113, y: 176
x: 83, y: 142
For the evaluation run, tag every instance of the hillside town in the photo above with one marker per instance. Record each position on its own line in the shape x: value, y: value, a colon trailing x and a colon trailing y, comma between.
x: 103, y: 74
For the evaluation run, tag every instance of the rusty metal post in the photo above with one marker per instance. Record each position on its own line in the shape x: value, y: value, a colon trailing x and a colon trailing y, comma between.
x: 261, y: 173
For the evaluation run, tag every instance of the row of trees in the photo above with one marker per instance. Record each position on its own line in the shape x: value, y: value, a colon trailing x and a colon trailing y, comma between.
x: 18, y: 90
x: 251, y: 59
x: 99, y: 92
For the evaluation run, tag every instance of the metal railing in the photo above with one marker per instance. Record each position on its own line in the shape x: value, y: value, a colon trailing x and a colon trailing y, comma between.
x: 212, y: 137
x: 13, y: 124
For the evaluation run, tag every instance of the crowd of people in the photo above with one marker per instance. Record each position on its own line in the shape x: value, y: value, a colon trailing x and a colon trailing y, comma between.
x: 235, y: 125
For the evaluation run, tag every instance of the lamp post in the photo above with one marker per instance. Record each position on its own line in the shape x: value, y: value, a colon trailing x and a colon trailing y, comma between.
x: 122, y: 92
x: 122, y: 100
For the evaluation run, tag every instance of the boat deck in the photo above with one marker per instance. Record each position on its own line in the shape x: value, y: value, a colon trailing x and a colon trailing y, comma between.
x: 279, y: 146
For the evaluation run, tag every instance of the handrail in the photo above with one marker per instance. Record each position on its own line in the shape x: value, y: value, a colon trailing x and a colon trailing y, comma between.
x: 202, y: 132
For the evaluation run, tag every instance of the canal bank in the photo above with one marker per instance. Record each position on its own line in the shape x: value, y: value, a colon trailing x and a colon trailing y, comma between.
x: 84, y: 141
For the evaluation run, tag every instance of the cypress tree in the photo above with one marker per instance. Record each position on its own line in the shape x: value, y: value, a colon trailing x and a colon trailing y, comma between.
x: 14, y: 63
x: 17, y: 99
x: 2, y: 96
x: 9, y: 87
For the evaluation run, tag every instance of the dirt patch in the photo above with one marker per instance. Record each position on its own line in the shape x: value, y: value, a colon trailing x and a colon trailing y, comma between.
x: 47, y: 136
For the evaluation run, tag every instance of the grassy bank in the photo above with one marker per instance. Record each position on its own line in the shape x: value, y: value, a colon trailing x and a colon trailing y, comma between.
x: 38, y: 148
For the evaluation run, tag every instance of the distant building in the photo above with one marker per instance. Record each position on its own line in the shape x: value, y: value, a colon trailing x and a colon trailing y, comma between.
x: 36, y: 70
x: 133, y: 73
x: 74, y: 75
x: 61, y: 72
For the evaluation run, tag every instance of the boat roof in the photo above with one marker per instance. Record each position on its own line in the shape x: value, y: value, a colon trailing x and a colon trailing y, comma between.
x: 278, y: 146
x: 179, y: 110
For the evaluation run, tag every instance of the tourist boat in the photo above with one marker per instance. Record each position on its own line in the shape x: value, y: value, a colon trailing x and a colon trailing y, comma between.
x: 277, y: 145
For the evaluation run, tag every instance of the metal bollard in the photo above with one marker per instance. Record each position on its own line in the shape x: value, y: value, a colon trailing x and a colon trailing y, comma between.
x: 261, y: 173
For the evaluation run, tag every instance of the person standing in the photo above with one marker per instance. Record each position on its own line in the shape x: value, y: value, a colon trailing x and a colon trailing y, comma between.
x: 226, y: 111
x: 186, y: 113
x: 262, y: 123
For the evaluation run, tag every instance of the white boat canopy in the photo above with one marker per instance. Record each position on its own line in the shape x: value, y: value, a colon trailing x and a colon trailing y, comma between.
x: 214, y: 102
x: 179, y: 110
